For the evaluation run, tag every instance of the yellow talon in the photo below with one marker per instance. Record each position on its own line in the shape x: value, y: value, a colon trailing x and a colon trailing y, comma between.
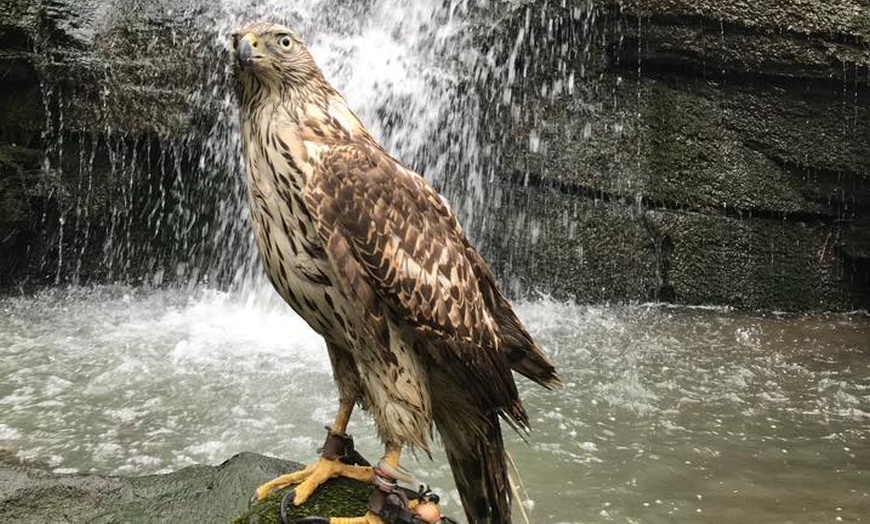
x: 310, y: 478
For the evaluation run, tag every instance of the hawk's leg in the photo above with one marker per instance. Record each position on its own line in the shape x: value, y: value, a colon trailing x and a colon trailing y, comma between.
x: 338, y: 445
x: 393, y: 504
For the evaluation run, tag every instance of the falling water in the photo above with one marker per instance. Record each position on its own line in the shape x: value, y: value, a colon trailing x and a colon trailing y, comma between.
x: 432, y: 80
x: 400, y: 66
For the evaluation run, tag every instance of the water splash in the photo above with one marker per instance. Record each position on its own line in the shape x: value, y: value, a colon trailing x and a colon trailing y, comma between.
x: 659, y: 403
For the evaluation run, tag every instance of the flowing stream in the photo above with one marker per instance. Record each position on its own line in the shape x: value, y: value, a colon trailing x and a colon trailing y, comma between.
x: 667, y: 414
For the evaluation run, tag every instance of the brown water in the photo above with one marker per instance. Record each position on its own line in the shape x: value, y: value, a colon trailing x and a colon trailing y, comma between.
x: 667, y: 415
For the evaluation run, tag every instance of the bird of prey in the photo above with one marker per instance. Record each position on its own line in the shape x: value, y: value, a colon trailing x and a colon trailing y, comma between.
x: 372, y: 257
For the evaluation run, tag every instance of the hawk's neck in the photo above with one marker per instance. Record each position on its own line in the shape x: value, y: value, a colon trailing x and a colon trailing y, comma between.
x: 288, y: 135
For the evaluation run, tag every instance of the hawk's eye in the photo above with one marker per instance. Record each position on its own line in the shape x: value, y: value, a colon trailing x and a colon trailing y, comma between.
x: 286, y: 42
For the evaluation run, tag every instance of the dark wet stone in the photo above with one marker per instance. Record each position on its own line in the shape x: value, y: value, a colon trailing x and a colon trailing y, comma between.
x: 31, y: 494
x: 725, y: 147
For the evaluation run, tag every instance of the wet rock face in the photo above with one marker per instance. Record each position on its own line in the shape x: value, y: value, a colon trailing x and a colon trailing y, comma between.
x: 792, y: 38
x: 731, y: 148
x: 123, y: 64
x: 30, y: 494
x: 96, y: 149
x: 695, y: 151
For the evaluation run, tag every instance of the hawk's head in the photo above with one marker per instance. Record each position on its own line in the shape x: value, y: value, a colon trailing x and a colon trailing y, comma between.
x: 272, y: 55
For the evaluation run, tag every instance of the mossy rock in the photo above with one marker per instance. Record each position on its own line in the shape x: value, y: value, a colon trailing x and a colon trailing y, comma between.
x: 31, y: 493
x: 578, y: 248
x: 807, y: 17
x: 698, y: 161
x: 751, y: 263
x: 339, y: 497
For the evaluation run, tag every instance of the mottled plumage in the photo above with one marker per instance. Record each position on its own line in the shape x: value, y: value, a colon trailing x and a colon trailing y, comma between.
x: 374, y: 260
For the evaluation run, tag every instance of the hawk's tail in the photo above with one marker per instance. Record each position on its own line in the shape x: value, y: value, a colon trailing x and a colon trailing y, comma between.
x: 477, y: 458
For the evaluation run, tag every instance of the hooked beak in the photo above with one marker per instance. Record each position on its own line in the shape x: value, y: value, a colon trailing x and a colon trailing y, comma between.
x: 247, y: 50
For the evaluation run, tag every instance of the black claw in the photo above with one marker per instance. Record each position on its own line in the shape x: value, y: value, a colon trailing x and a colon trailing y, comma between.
x: 286, y: 502
x: 253, y: 500
x: 312, y: 520
x: 425, y: 493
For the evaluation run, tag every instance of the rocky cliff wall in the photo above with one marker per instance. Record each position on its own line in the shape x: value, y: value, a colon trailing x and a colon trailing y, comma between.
x: 710, y: 153
x: 103, y: 161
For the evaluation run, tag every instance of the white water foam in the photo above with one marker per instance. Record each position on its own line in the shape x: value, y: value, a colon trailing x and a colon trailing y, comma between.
x: 659, y: 404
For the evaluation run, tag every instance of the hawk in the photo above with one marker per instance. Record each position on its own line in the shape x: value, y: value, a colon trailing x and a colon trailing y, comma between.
x: 372, y: 257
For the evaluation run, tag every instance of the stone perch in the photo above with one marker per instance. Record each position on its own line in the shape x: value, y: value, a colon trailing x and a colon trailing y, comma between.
x: 30, y: 493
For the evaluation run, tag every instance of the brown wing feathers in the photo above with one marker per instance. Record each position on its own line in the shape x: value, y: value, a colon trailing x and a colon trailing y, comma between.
x: 390, y: 225
x: 521, y: 350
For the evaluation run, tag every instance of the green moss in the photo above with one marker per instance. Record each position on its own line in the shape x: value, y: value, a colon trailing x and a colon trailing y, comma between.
x: 339, y: 497
x: 698, y: 161
x: 752, y: 263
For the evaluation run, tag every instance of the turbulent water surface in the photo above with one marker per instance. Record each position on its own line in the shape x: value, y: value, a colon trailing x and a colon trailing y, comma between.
x: 666, y: 415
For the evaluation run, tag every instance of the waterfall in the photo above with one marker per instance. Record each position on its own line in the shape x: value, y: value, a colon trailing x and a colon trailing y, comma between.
x: 149, y: 142
x: 404, y: 68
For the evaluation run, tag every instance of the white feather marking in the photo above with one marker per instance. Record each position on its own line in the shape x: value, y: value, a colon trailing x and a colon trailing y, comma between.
x: 340, y: 112
x: 314, y: 149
